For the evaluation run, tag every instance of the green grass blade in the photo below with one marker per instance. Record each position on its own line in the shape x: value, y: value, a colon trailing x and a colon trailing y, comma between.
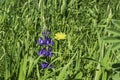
x: 64, y: 70
x: 116, y: 22
x: 114, y: 31
x: 23, y: 68
x: 112, y: 39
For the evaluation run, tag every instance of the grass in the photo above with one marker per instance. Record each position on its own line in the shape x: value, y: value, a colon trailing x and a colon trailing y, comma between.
x: 90, y: 51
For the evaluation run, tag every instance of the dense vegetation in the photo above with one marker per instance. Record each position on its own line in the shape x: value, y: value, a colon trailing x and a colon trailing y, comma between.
x: 89, y: 52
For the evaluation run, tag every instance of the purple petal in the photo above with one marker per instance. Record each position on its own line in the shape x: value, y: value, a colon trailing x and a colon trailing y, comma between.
x: 52, y: 43
x: 49, y: 41
x: 40, y: 41
x: 46, y: 65
x: 49, y: 49
x: 50, y: 54
x: 42, y: 52
x: 45, y: 53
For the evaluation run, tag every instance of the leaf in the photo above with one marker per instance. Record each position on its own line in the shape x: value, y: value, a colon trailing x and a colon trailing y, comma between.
x: 32, y: 63
x: 64, y: 70
x: 63, y: 7
x: 113, y: 31
x: 116, y: 77
x: 112, y: 39
x: 71, y: 3
x: 116, y: 46
x: 38, y: 74
x: 116, y: 23
x: 79, y: 75
x: 23, y: 68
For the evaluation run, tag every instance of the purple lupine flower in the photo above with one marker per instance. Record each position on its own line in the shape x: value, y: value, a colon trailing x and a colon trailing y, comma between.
x: 50, y: 54
x: 40, y: 41
x: 41, y: 52
x: 49, y: 41
x: 45, y: 53
x: 49, y: 49
x: 46, y: 65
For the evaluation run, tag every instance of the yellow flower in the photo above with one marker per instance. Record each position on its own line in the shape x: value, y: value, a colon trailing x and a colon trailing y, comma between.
x: 60, y: 36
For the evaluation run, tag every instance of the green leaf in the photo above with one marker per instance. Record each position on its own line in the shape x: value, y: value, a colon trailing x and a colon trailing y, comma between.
x: 23, y: 68
x: 116, y: 46
x: 116, y: 23
x: 113, y: 31
x: 64, y: 70
x: 63, y: 7
x: 116, y: 76
x: 32, y: 63
x: 112, y: 39
x: 79, y: 75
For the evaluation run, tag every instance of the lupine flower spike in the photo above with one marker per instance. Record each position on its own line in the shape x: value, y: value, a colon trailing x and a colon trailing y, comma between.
x: 46, y: 51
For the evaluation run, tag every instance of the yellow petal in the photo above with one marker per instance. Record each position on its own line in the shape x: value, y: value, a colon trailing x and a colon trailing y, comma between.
x: 60, y: 36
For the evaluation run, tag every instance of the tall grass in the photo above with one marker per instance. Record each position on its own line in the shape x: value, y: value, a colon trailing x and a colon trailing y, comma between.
x: 90, y: 51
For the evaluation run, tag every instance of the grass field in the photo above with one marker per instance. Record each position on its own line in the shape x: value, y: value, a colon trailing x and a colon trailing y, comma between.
x: 91, y: 50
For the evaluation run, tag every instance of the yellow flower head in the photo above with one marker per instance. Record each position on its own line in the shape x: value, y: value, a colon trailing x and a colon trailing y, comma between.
x: 60, y: 36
